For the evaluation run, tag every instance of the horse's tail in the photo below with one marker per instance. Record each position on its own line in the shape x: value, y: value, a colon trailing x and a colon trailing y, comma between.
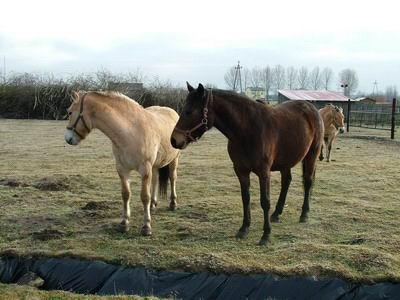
x: 163, y: 175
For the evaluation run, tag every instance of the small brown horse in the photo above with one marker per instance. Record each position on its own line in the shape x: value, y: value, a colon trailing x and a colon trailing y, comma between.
x: 140, y: 141
x: 261, y: 138
x: 333, y: 119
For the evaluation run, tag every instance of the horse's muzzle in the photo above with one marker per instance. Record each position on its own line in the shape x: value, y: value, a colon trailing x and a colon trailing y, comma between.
x: 177, y: 142
x: 70, y: 137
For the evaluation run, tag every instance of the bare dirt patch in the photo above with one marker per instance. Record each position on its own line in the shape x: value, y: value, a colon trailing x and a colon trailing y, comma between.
x: 12, y: 182
x: 51, y: 184
x: 48, y: 234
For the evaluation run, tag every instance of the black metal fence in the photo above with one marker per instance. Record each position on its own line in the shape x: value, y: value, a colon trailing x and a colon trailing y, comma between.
x: 376, y: 116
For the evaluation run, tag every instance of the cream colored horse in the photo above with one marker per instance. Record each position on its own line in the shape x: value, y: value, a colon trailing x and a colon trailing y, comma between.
x: 140, y: 141
x: 334, y: 123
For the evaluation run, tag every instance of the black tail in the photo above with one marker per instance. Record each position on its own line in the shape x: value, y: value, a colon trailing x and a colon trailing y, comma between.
x: 163, y: 175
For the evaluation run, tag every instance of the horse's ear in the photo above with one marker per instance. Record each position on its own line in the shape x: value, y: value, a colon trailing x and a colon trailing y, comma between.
x: 200, y: 89
x: 189, y: 87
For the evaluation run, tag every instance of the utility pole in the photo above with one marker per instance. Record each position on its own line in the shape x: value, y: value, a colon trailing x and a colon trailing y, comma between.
x: 238, y: 77
x: 375, y: 90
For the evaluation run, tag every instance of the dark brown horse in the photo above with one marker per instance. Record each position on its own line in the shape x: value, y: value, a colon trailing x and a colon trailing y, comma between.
x: 262, y: 139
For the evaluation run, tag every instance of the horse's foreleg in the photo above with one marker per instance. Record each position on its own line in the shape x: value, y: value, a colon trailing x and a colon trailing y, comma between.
x: 265, y: 204
x: 145, y: 196
x: 173, y: 173
x: 244, y: 179
x: 286, y: 178
x: 126, y: 195
x: 329, y: 148
x: 154, y: 190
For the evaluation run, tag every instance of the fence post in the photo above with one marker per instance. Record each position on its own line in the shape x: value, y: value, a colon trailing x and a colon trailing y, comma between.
x: 348, y: 115
x: 393, y: 118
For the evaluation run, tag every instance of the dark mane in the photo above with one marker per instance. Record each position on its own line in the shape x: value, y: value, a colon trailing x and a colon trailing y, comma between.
x: 233, y: 96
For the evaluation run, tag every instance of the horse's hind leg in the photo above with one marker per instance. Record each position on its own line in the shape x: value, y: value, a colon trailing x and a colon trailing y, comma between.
x: 173, y: 173
x: 323, y: 149
x: 286, y: 178
x: 309, y: 164
x: 126, y: 195
x: 154, y: 190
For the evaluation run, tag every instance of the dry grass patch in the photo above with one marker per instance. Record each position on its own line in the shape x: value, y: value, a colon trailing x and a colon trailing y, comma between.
x: 353, y: 229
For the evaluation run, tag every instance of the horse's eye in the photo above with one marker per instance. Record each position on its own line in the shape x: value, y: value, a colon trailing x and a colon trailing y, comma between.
x: 69, y: 113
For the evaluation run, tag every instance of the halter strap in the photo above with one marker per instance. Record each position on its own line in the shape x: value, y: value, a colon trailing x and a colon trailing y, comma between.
x: 204, y: 121
x: 80, y: 117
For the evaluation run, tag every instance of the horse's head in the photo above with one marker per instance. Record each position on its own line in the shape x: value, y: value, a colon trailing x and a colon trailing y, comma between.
x: 195, y: 119
x: 338, y: 119
x: 78, y: 121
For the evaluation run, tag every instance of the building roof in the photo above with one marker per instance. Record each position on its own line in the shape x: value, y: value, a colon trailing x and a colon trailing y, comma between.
x: 313, y: 95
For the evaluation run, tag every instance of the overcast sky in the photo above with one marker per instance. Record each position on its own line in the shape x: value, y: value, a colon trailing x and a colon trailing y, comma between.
x: 199, y: 40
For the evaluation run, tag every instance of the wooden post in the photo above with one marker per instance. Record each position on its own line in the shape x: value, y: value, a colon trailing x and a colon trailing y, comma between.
x: 348, y: 115
x: 393, y: 118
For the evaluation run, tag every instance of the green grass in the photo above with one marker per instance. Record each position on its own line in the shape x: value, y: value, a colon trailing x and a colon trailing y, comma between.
x: 353, y: 229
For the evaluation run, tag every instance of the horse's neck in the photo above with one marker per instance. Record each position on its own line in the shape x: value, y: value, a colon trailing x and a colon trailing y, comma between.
x: 329, y: 119
x: 115, y: 121
x: 233, y: 118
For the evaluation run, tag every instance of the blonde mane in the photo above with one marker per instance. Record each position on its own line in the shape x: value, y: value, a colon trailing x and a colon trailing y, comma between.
x: 113, y: 98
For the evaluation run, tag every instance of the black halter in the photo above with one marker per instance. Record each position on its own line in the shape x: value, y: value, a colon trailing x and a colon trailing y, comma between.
x: 80, y: 117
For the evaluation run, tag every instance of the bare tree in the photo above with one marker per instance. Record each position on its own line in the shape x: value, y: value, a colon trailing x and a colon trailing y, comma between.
x: 326, y: 78
x: 303, y: 78
x: 315, y: 79
x: 256, y: 77
x: 291, y: 78
x: 279, y: 77
x: 267, y: 80
x: 348, y: 77
x: 229, y: 77
x: 391, y: 92
x: 246, y: 78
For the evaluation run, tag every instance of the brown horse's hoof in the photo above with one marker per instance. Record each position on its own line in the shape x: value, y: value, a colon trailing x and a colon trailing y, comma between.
x: 172, y: 206
x: 275, y: 218
x: 264, y: 240
x: 145, y: 231
x: 321, y: 158
x: 242, y: 233
x: 303, y: 219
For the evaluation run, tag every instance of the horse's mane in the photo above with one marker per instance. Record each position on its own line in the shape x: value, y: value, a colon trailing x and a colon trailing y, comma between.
x: 235, y: 97
x: 113, y: 96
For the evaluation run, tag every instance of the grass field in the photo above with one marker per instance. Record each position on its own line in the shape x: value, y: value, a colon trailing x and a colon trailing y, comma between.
x: 65, y: 201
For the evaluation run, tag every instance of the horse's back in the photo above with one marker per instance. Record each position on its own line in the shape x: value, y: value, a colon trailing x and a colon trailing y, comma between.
x: 300, y: 130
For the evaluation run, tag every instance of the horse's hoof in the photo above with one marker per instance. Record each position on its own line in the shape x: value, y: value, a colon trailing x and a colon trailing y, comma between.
x: 321, y: 158
x: 153, y: 207
x: 123, y: 227
x: 172, y: 206
x: 242, y: 233
x: 275, y: 218
x: 145, y: 231
x: 264, y: 240
x: 303, y: 219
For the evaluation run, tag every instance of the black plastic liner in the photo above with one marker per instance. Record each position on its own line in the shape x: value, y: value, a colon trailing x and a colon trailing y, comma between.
x: 96, y: 277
